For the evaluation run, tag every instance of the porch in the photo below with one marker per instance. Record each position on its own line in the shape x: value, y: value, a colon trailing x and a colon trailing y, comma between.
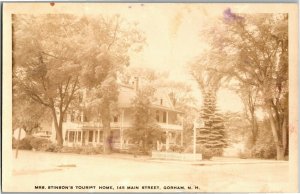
x: 94, y: 137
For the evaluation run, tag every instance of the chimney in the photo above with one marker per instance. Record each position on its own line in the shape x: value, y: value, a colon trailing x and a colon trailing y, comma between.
x: 172, y: 98
x: 136, y: 83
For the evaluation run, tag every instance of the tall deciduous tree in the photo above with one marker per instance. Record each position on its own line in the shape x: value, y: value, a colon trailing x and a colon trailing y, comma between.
x: 26, y: 113
x: 113, y: 40
x: 55, y: 55
x: 45, y: 61
x: 250, y: 99
x: 253, y: 49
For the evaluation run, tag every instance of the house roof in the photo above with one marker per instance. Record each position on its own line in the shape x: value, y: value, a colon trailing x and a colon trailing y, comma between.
x: 162, y: 100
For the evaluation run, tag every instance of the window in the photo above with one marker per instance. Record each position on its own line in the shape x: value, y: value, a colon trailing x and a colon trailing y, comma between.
x: 96, y: 136
x: 71, y: 137
x: 72, y: 117
x: 84, y: 134
x: 91, y: 133
x: 66, y: 136
x: 85, y: 119
x: 78, y: 118
x: 80, y: 97
x: 115, y: 119
x: 157, y: 116
x: 101, y: 136
x: 116, y: 136
x: 161, y: 101
x: 79, y: 136
x: 164, y: 117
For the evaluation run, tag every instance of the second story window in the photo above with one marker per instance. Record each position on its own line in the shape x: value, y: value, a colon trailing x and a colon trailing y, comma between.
x: 91, y: 137
x: 164, y: 117
x: 78, y: 118
x: 72, y: 117
x: 157, y: 116
x: 116, y: 119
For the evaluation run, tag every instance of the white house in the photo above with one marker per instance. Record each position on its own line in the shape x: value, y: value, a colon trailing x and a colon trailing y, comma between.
x: 79, y: 130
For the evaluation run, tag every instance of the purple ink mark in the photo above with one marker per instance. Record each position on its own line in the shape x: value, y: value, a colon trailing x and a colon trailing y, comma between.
x: 230, y: 16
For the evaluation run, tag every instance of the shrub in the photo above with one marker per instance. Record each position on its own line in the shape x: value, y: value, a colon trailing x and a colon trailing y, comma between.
x: 82, y: 150
x: 41, y: 144
x: 137, y: 150
x: 91, y: 150
x: 24, y: 144
x: 75, y: 150
x: 264, y: 151
x: 163, y: 148
x: 51, y: 147
x: 264, y: 146
x: 176, y: 148
x: 245, y: 154
x: 207, y: 154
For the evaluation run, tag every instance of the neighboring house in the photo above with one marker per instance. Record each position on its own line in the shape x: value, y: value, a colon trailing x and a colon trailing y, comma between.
x: 43, y: 134
x: 79, y: 130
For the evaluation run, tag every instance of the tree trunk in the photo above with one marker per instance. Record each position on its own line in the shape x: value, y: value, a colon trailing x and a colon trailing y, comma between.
x: 58, y: 128
x: 105, y: 114
x: 279, y: 152
x: 254, y: 128
x: 285, y: 134
x: 275, y: 131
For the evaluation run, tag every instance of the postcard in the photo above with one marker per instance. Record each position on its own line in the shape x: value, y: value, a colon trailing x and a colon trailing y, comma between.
x: 150, y: 97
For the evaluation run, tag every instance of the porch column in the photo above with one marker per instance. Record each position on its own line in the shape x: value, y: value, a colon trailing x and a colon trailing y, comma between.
x: 76, y: 137
x: 182, y: 121
x: 68, y: 137
x: 167, y: 140
x: 81, y: 138
x: 121, y: 130
x: 94, y: 137
x: 167, y: 115
x: 181, y: 138
x: 98, y: 138
x: 81, y: 117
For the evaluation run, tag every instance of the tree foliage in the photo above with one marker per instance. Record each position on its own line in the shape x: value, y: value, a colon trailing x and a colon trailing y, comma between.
x: 145, y: 132
x: 56, y: 55
x: 253, y: 50
x: 212, y: 135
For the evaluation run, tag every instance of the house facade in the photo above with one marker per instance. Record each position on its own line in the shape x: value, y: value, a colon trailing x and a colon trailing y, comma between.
x: 80, y: 130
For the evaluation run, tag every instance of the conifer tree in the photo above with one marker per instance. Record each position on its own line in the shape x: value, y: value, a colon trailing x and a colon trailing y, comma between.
x: 212, y: 135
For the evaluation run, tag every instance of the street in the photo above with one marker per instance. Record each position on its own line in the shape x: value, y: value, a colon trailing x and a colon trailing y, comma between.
x: 42, y: 171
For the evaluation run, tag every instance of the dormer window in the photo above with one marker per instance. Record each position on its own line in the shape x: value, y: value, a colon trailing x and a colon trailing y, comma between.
x: 115, y: 119
x: 85, y: 118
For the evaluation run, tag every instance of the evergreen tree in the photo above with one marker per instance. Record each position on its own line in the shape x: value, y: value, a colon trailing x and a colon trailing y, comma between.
x: 145, y: 131
x: 212, y: 135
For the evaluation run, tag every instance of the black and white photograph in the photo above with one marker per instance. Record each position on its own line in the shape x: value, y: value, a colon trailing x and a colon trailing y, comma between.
x: 150, y: 97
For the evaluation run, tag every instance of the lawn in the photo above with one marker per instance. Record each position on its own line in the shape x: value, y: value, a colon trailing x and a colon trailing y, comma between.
x: 37, y: 171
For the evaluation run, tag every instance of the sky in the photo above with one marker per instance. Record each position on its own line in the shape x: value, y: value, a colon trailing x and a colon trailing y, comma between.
x: 173, y: 40
x: 172, y: 34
